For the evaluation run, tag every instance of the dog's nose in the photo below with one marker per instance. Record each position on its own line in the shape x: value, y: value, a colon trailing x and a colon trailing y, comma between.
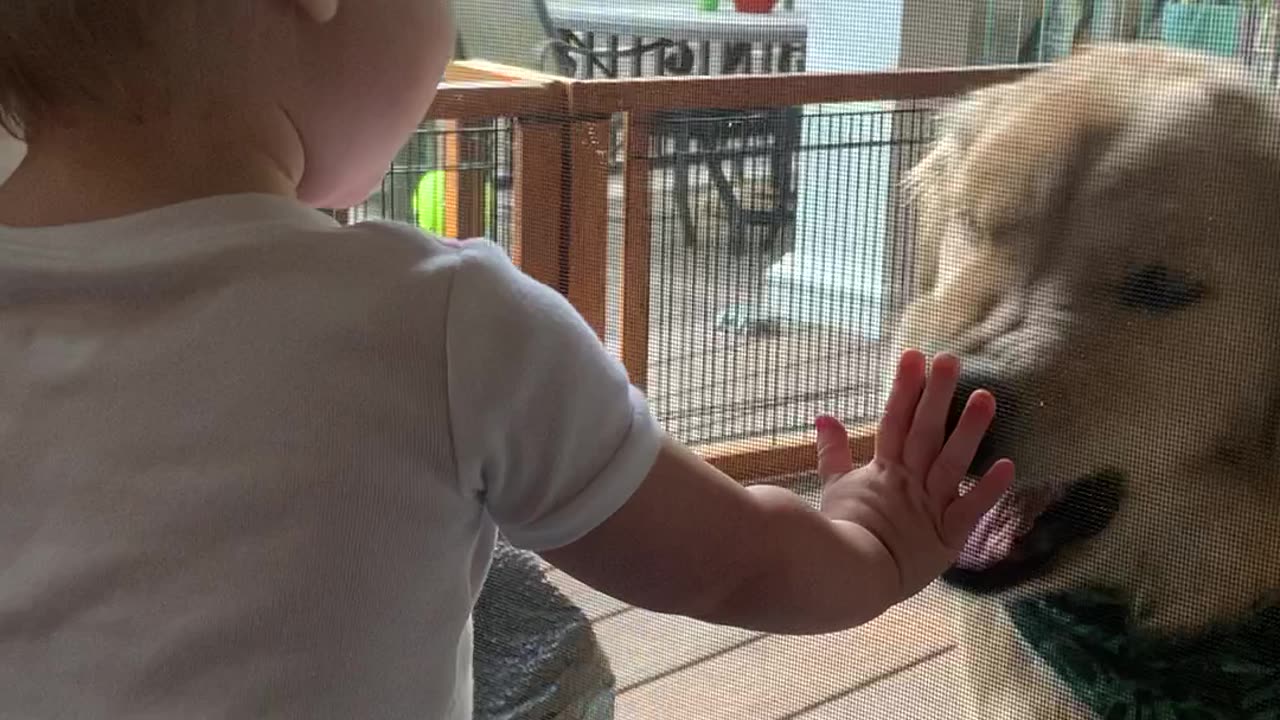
x: 980, y: 379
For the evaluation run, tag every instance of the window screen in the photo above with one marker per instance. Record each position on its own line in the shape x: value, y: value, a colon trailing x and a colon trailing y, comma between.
x: 758, y: 204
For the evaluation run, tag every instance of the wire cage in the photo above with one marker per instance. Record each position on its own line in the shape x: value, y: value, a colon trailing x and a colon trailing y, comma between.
x: 443, y: 163
x: 727, y: 361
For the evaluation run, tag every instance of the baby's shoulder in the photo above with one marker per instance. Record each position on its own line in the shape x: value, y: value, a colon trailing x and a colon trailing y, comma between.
x: 402, y: 248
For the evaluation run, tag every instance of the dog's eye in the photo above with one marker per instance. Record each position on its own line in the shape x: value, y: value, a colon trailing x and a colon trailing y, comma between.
x: 972, y: 228
x: 1159, y: 289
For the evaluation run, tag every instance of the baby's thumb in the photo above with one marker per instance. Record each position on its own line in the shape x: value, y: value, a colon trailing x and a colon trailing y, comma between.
x: 834, y: 458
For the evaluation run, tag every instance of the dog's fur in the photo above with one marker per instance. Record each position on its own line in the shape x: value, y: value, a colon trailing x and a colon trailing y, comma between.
x: 1099, y: 242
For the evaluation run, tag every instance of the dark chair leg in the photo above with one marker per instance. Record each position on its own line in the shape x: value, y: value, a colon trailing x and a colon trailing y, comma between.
x: 682, y: 168
x: 782, y: 159
x: 708, y: 137
x: 730, y: 201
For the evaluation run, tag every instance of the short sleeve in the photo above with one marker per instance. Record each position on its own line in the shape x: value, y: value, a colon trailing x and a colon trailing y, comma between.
x: 546, y: 425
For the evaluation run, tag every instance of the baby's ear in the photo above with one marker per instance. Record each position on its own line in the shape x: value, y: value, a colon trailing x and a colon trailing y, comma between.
x: 321, y: 11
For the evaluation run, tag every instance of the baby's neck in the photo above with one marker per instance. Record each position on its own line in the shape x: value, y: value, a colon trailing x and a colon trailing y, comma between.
x: 99, y: 169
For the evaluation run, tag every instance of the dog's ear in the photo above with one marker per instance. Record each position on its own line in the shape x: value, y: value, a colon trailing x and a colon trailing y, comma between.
x: 958, y: 123
x: 926, y: 194
x: 925, y: 189
x: 928, y: 185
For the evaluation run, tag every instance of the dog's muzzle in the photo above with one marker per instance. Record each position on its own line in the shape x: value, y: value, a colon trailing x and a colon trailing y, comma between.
x: 969, y: 382
x: 1024, y: 536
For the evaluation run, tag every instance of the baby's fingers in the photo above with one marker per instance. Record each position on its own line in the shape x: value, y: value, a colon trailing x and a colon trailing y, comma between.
x: 952, y: 463
x: 929, y: 426
x: 962, y: 516
x: 900, y: 409
x: 835, y: 459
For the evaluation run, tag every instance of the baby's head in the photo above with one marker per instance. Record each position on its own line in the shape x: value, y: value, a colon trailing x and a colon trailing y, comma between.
x: 329, y: 89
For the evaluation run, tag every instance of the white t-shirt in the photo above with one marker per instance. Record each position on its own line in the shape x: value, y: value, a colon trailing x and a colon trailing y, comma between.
x: 254, y: 462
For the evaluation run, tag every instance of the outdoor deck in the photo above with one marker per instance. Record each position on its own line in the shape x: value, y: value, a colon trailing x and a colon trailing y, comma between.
x: 900, y: 667
x: 708, y: 380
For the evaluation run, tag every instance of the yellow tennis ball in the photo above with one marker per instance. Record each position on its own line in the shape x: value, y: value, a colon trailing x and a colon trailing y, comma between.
x: 429, y: 201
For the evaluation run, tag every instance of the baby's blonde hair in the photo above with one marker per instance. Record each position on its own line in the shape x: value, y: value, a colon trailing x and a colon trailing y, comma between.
x: 60, y: 54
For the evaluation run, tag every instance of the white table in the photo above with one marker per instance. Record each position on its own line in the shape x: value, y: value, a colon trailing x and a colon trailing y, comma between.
x: 697, y: 42
x: 679, y: 23
x: 836, y: 273
x: 776, y: 39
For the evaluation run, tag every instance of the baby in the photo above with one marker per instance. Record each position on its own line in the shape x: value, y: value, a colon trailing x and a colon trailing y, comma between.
x: 255, y: 462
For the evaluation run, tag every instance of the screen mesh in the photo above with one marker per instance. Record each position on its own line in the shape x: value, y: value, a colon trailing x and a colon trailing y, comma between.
x: 1099, y: 247
x: 727, y: 360
x: 450, y: 179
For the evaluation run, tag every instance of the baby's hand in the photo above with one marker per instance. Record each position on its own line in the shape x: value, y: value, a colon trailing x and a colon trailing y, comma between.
x: 909, y: 495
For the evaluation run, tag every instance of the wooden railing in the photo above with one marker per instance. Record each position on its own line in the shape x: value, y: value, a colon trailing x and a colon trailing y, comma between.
x: 560, y: 171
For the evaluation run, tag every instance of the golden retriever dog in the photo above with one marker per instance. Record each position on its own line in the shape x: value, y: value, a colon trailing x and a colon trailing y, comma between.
x: 1099, y: 243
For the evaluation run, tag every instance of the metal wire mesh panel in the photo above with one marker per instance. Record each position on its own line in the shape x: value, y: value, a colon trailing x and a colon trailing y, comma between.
x: 450, y: 179
x: 748, y: 338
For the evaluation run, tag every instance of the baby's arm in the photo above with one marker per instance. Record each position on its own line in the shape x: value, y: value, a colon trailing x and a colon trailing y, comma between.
x: 571, y: 464
x: 691, y: 541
